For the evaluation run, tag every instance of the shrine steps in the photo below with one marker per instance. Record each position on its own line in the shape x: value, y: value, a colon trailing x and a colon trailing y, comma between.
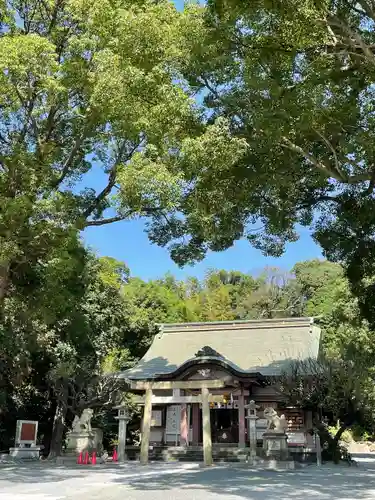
x: 220, y: 453
x: 195, y: 454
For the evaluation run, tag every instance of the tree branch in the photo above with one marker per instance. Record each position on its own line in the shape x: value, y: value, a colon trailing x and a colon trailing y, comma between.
x: 352, y: 6
x: 327, y: 170
x: 371, y: 185
x: 112, y: 176
x: 329, y: 145
x: 368, y: 9
x: 118, y: 218
x: 318, y: 199
x: 110, y: 220
x: 69, y: 161
x: 352, y: 36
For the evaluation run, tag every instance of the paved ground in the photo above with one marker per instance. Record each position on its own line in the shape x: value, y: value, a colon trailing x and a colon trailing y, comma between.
x: 186, y: 482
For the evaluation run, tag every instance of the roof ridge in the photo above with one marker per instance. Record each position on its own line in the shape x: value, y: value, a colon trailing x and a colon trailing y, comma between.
x: 236, y: 324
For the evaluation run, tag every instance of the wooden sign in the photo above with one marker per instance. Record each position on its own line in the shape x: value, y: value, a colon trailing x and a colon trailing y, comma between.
x: 26, y: 432
x: 156, y: 418
x: 296, y: 438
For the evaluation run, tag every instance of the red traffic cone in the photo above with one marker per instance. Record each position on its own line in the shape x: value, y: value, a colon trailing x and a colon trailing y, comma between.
x: 80, y: 459
x: 114, y: 456
x: 86, y: 459
x: 93, y: 458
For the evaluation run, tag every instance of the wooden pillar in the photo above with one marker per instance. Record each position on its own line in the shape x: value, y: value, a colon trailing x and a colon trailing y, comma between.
x: 146, y: 427
x: 195, y: 419
x: 241, y: 420
x: 207, y: 443
x: 308, y: 426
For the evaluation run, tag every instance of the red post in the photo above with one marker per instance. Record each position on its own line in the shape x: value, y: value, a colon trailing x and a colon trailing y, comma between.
x: 114, y: 456
x: 86, y: 460
x: 93, y: 458
x: 80, y: 459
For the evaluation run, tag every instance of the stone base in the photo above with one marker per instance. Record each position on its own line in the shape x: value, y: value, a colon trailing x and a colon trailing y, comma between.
x: 31, y: 453
x: 271, y: 464
x: 78, y: 442
x: 275, y: 445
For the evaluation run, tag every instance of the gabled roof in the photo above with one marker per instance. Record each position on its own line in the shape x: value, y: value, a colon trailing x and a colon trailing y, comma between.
x: 264, y: 347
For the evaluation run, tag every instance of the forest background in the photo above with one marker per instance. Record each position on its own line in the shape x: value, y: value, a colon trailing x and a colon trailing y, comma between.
x: 219, y: 122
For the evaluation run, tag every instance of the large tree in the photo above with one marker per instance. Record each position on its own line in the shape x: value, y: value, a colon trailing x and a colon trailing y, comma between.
x: 293, y: 79
x: 89, y: 91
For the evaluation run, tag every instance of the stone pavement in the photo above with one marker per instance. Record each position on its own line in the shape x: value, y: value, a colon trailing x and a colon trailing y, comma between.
x: 186, y: 482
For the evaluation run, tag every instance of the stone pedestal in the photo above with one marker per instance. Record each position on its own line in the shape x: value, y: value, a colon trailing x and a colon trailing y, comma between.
x: 31, y: 453
x: 84, y: 441
x: 78, y: 442
x: 275, y: 445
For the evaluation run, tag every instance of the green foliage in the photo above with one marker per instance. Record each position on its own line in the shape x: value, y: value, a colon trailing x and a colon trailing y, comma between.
x: 89, y: 318
x: 288, y: 94
x: 86, y: 84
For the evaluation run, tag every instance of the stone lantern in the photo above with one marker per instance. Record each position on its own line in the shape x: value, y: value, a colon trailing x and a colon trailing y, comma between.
x: 123, y: 419
x: 251, y: 426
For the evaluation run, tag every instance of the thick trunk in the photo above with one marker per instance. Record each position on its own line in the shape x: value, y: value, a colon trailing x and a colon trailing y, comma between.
x: 58, y: 426
x: 340, y: 432
x: 4, y: 280
x: 336, y: 452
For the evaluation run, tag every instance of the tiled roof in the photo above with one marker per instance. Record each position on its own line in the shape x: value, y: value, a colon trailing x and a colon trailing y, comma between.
x: 261, y: 346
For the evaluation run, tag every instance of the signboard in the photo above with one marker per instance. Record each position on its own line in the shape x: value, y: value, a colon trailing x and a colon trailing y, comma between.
x: 26, y: 432
x: 296, y: 438
x: 172, y: 424
x: 156, y: 418
x: 173, y: 419
x: 274, y: 444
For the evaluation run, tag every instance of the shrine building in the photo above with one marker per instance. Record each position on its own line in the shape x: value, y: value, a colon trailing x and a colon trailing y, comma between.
x: 197, y: 379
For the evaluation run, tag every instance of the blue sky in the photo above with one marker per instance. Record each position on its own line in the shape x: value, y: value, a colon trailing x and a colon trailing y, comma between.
x: 128, y: 242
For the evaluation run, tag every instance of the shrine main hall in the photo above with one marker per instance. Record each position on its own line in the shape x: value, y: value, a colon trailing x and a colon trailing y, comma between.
x: 196, y: 381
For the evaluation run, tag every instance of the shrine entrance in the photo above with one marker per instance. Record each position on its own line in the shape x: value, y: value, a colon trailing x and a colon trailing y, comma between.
x: 224, y: 425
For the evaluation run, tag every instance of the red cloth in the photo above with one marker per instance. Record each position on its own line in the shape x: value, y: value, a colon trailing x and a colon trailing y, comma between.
x: 184, y: 431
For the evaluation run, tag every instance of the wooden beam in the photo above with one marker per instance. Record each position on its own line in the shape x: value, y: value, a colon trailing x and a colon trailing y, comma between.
x: 178, y: 400
x: 206, y: 423
x: 141, y: 385
x: 146, y: 427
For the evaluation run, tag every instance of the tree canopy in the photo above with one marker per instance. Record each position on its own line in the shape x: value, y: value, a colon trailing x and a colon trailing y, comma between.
x: 88, y: 87
x: 232, y: 119
x: 292, y: 81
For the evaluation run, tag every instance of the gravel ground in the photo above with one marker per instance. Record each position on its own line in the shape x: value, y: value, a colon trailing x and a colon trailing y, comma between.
x: 42, y: 481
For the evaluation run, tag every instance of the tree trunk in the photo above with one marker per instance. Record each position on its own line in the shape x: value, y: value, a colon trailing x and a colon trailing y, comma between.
x: 4, y: 280
x: 335, y: 443
x: 58, y: 425
x: 340, y: 432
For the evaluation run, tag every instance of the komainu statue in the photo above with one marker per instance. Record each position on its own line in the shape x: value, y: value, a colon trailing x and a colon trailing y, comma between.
x: 83, y: 423
x: 274, y: 422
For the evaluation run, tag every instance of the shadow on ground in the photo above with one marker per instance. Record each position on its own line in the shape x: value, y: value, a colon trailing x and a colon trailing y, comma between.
x: 229, y: 482
x: 36, y: 473
x: 326, y: 484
